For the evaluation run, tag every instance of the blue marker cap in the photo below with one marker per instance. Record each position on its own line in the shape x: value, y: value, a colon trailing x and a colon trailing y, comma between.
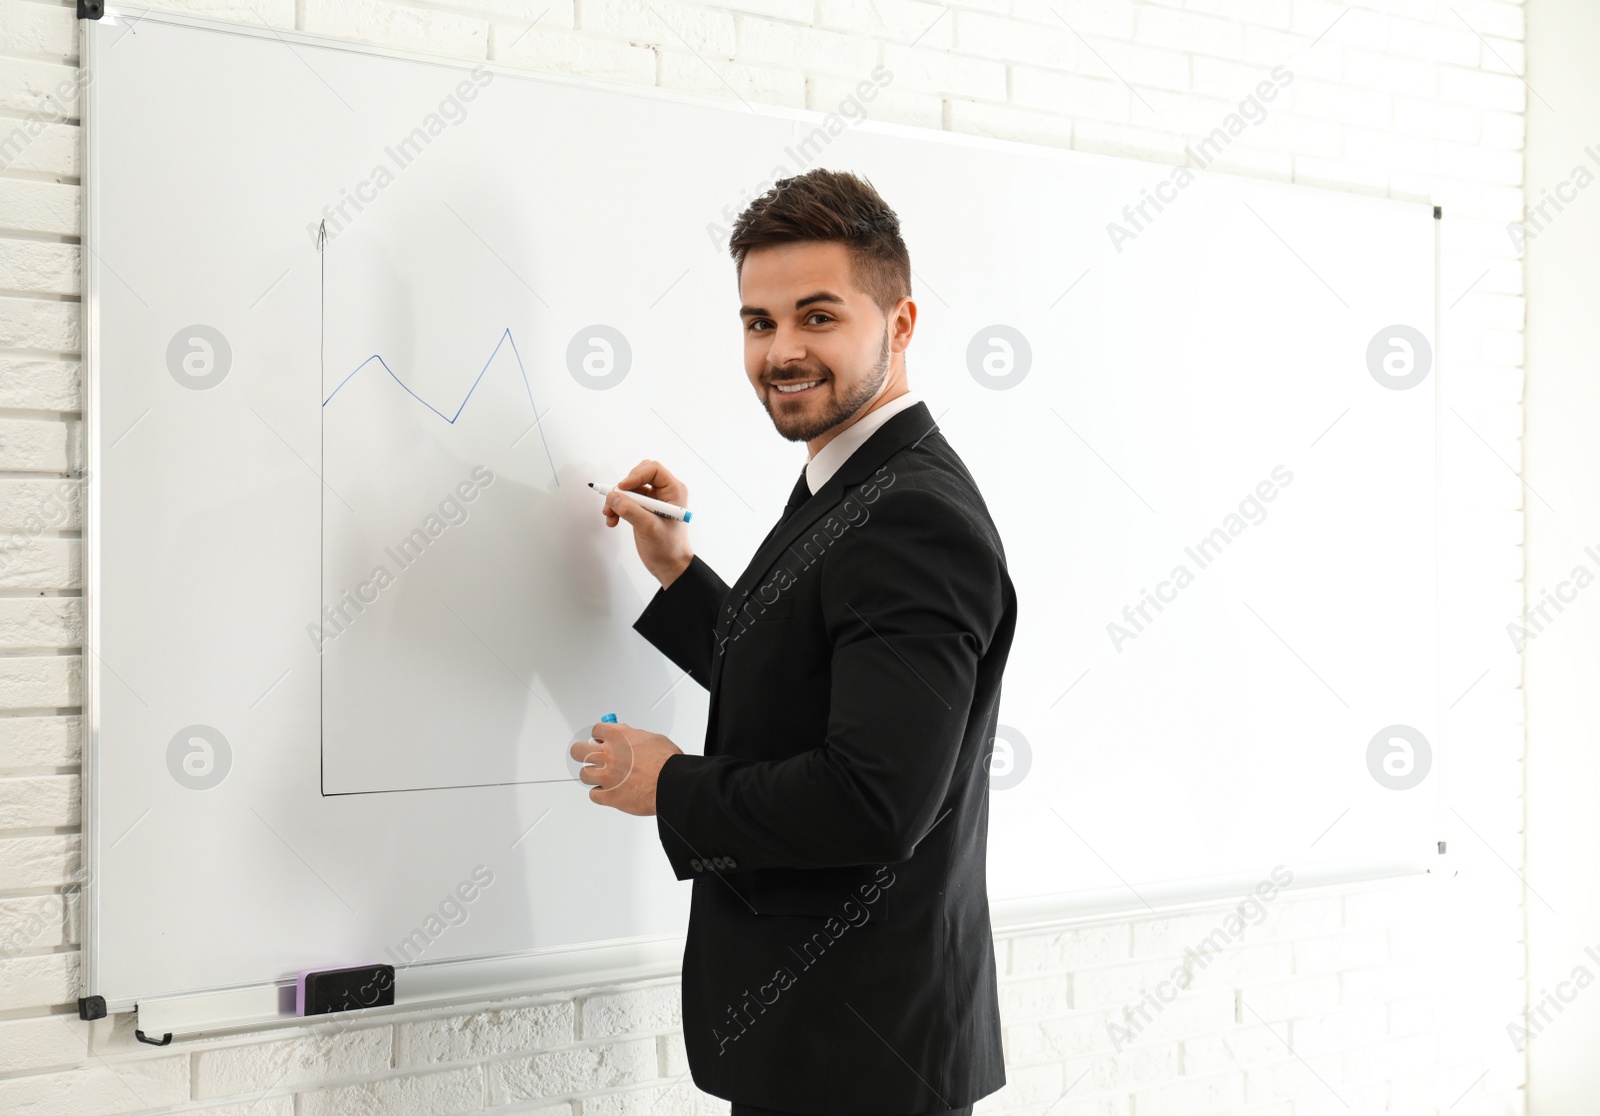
x: 688, y: 515
x: 609, y: 718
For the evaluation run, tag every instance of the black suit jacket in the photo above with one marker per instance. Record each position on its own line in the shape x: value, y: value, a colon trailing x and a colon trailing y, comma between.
x: 839, y: 956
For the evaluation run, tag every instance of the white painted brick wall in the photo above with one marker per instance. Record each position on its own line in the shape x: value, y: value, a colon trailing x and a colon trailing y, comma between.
x: 1381, y: 996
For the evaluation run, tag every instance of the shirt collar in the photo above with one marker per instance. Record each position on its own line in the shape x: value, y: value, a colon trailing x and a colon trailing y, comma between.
x: 842, y: 445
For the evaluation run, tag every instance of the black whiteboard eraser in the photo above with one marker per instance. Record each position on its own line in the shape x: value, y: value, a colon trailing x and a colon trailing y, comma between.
x: 320, y: 991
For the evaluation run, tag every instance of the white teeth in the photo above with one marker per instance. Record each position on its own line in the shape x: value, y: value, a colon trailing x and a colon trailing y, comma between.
x: 791, y: 388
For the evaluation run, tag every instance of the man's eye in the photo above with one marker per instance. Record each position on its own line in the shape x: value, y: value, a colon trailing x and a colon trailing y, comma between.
x: 811, y: 319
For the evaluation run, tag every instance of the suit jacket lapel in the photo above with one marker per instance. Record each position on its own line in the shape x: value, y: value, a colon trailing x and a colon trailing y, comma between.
x: 909, y: 426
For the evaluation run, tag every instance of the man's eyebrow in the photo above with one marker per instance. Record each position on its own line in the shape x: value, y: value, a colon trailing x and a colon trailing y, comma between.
x: 799, y: 304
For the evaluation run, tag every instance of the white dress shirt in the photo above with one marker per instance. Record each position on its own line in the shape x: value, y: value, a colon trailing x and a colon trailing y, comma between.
x: 827, y: 460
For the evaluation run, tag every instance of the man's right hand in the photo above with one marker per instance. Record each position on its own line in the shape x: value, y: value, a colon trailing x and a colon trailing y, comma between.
x: 663, y: 544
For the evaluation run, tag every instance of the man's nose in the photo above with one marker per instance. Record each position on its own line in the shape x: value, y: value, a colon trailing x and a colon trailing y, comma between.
x: 787, y: 348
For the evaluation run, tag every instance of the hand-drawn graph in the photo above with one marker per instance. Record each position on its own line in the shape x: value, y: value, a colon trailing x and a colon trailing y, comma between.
x: 505, y: 338
x: 474, y: 615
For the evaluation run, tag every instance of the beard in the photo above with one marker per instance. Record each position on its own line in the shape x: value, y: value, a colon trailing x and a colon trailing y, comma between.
x: 803, y: 427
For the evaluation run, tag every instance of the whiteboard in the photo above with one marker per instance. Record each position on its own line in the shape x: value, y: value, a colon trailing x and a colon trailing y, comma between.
x: 290, y: 765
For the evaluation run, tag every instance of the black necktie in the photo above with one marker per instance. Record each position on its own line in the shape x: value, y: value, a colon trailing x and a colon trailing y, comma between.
x: 801, y: 493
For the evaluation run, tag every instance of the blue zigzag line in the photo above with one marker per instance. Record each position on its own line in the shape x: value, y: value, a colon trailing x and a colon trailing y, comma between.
x: 451, y: 419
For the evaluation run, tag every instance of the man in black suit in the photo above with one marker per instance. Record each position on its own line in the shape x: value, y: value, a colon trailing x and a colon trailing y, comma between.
x: 839, y: 955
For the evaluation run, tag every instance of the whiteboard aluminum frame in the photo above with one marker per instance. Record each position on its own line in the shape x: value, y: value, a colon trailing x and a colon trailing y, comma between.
x: 89, y: 678
x: 600, y: 962
x: 573, y: 969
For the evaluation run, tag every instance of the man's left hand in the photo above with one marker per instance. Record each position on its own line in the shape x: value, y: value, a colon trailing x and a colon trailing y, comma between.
x: 623, y: 763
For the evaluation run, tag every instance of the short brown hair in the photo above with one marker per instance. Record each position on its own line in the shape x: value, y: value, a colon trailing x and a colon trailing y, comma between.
x: 831, y: 205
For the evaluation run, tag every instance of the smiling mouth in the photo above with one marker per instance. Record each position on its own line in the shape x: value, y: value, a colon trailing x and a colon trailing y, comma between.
x: 796, y: 387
